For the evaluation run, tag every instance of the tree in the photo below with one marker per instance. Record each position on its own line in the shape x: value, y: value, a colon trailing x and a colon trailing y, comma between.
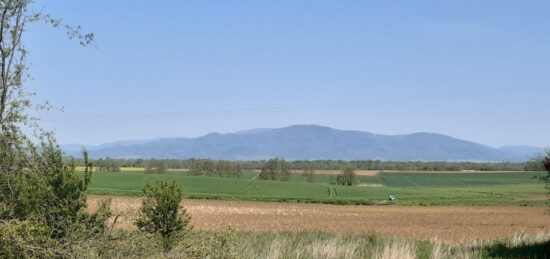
x: 108, y: 165
x: 347, y: 177
x: 546, y: 164
x: 14, y: 99
x: 156, y: 166
x: 161, y: 212
x: 535, y: 164
x: 275, y: 169
x: 15, y: 102
x: 308, y: 175
x: 40, y: 193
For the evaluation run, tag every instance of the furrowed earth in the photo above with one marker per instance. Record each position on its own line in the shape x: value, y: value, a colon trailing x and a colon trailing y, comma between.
x: 445, y: 223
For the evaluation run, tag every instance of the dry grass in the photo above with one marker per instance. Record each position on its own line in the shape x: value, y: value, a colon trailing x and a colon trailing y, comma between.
x: 295, y: 245
x: 396, y: 250
x: 324, y: 245
x: 334, y: 248
x: 523, y: 238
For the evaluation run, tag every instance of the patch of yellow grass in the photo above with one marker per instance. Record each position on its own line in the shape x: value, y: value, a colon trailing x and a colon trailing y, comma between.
x: 397, y: 249
x: 122, y: 169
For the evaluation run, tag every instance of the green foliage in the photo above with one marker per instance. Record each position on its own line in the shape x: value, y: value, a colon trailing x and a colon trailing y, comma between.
x: 546, y: 178
x: 46, y: 191
x: 202, y: 166
x: 309, y: 175
x: 275, y: 169
x: 42, y: 212
x: 91, y: 224
x: 546, y: 164
x: 219, y: 168
x: 156, y: 166
x: 36, y: 186
x: 62, y: 198
x: 535, y: 164
x: 161, y: 212
x: 347, y: 177
x: 26, y: 239
x: 107, y: 165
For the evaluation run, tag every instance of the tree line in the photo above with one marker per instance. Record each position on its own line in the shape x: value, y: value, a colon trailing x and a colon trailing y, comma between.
x: 208, y: 166
x: 220, y: 168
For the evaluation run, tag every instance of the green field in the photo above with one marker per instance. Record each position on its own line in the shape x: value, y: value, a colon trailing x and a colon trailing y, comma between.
x: 521, y: 188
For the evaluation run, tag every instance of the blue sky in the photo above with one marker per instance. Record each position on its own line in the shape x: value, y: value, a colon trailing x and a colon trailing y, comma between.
x: 477, y: 70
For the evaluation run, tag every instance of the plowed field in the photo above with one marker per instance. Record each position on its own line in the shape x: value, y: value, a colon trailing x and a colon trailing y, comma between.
x: 448, y: 223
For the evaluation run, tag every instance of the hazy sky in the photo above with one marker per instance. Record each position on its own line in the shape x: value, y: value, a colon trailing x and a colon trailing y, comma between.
x: 477, y: 70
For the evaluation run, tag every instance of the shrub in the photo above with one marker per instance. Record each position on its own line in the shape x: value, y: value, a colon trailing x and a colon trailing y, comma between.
x: 25, y: 239
x: 161, y: 213
x: 47, y: 191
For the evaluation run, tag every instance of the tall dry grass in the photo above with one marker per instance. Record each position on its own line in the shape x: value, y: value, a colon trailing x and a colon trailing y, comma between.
x: 271, y: 245
x: 396, y: 249
x: 326, y: 245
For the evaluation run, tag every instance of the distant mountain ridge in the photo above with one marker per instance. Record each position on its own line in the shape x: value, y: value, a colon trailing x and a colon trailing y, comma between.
x: 300, y: 142
x: 522, y: 151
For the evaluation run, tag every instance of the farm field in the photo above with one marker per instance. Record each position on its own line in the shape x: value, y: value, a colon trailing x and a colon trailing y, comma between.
x: 519, y: 188
x: 445, y: 223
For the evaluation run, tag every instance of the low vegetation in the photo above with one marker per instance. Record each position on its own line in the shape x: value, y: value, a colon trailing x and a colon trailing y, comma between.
x: 522, y: 188
x: 326, y: 245
x: 231, y: 244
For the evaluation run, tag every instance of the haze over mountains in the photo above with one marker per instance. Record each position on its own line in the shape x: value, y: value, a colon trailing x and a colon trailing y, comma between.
x: 299, y: 142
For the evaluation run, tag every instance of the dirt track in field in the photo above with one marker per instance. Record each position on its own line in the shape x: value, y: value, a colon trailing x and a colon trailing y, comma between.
x: 447, y: 223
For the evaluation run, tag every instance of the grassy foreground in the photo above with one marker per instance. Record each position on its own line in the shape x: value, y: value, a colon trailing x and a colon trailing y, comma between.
x: 324, y: 245
x: 317, y: 245
x: 518, y: 189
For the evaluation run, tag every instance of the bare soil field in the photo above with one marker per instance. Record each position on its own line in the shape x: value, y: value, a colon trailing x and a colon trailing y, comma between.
x: 445, y: 223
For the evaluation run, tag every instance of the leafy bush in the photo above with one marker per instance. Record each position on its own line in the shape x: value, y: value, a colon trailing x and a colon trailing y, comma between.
x: 24, y: 239
x: 42, y: 205
x: 161, y: 213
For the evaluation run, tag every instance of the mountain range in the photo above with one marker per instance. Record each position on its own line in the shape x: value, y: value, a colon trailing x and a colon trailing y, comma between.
x: 301, y: 142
